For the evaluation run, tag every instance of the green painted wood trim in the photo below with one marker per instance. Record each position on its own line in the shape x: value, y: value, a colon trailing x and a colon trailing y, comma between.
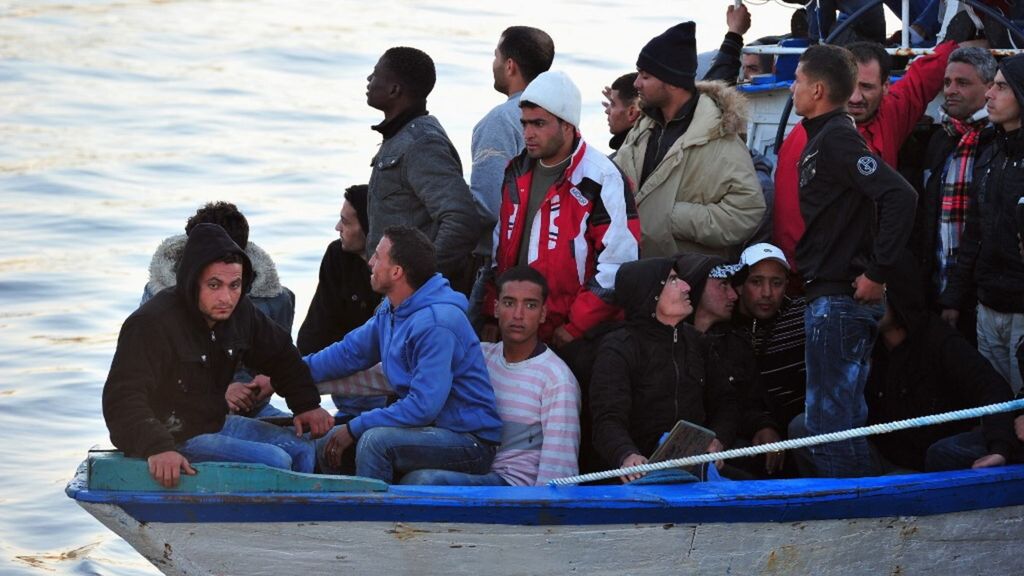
x: 112, y: 471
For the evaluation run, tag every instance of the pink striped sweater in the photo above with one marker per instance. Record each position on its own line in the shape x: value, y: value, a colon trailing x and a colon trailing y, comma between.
x: 539, y: 405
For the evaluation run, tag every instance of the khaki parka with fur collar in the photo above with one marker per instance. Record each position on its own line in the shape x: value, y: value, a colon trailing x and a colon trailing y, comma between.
x: 704, y: 196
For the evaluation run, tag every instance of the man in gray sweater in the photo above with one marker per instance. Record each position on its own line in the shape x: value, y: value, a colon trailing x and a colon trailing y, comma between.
x: 417, y: 175
x: 521, y: 55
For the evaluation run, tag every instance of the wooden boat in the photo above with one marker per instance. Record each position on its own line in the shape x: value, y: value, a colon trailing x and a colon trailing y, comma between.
x: 250, y: 519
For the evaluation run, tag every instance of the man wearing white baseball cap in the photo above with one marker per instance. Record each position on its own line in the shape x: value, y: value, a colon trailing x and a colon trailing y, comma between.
x: 775, y: 325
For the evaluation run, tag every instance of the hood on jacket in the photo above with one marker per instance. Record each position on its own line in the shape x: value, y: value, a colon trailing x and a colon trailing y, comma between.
x: 694, y: 269
x: 206, y: 243
x: 163, y: 268
x: 638, y: 285
x: 436, y: 290
x: 732, y: 107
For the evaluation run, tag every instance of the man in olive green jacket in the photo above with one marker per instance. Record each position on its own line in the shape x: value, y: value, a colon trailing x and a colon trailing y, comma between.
x: 697, y: 190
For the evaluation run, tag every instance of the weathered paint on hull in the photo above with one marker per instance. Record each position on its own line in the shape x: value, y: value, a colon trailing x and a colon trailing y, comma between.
x: 976, y: 542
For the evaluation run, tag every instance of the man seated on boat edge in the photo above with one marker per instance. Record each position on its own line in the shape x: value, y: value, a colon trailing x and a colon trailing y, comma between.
x: 164, y: 398
x: 652, y: 372
x: 538, y: 397
x: 248, y: 394
x: 445, y: 416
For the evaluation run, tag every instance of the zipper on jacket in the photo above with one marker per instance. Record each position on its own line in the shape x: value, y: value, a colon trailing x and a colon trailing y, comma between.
x: 675, y: 365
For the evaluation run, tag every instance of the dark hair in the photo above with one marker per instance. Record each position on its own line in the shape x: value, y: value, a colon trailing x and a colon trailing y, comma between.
x: 524, y: 273
x: 798, y: 27
x: 624, y: 86
x: 413, y: 69
x: 531, y: 48
x: 356, y: 198
x: 865, y: 52
x: 834, y: 66
x: 225, y: 215
x: 414, y: 252
x: 231, y: 258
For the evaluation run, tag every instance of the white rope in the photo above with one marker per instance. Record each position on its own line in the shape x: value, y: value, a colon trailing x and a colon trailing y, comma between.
x: 918, y: 422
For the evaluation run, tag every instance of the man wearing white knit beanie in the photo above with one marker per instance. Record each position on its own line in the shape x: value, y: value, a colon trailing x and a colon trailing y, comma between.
x: 567, y: 211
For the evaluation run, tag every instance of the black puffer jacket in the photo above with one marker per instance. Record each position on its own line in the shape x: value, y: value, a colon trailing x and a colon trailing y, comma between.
x: 989, y: 262
x: 649, y: 375
x: 170, y: 371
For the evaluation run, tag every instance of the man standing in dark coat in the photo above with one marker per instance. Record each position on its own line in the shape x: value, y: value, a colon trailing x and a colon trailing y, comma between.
x: 164, y: 399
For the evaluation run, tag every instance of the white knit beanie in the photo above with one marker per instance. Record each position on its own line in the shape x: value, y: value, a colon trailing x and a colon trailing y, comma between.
x: 556, y: 93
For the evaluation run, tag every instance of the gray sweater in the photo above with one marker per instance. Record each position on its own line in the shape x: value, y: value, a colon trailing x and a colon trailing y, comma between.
x: 497, y: 139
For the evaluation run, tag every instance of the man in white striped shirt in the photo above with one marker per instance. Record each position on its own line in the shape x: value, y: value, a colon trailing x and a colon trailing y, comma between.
x: 538, y: 397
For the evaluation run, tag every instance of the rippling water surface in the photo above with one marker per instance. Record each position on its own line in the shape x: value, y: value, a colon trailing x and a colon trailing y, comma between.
x: 118, y: 119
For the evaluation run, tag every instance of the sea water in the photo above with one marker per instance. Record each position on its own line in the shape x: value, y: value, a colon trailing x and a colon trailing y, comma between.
x: 118, y: 119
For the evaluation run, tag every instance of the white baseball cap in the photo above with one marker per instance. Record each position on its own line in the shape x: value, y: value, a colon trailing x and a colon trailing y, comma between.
x: 763, y: 251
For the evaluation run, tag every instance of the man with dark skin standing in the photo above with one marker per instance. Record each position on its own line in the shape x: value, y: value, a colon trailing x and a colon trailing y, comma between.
x: 417, y: 175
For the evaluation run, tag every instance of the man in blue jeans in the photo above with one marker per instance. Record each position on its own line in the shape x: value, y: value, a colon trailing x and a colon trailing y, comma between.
x: 165, y: 396
x: 859, y: 213
x: 445, y: 416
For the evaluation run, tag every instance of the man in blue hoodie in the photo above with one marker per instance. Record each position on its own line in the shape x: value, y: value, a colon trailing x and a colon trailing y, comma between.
x: 445, y: 417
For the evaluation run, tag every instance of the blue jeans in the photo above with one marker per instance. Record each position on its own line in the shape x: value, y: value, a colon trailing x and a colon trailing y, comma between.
x: 430, y: 477
x: 955, y: 452
x: 385, y: 453
x: 246, y: 440
x: 840, y: 336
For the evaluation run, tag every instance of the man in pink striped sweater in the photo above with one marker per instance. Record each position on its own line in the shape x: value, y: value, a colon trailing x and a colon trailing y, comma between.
x: 538, y: 397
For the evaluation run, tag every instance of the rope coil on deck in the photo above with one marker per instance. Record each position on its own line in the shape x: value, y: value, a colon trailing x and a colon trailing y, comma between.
x: 918, y: 422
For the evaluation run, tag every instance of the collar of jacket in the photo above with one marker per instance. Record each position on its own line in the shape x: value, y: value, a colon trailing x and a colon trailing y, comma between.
x: 617, y: 139
x: 721, y: 111
x: 388, y: 128
x: 814, y: 125
x: 1012, y: 142
x: 686, y: 110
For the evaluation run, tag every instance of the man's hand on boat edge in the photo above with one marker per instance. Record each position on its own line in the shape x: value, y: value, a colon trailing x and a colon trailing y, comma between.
x: 166, y: 468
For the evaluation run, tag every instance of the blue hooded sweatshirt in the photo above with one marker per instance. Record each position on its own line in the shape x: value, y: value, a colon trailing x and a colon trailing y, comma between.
x: 431, y: 357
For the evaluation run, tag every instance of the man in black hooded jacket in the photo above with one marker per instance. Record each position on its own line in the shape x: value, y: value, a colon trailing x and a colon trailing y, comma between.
x: 164, y: 399
x: 652, y: 372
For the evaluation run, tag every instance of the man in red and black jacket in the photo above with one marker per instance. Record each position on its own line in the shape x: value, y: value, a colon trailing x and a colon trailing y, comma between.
x: 885, y: 117
x: 567, y: 211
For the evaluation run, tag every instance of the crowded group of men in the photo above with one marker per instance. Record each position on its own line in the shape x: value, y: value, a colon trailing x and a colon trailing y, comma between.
x: 563, y: 309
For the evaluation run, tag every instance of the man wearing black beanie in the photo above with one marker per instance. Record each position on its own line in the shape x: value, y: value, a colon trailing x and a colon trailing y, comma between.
x: 697, y: 190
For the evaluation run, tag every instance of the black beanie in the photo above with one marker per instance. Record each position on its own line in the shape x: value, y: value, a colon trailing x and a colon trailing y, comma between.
x: 1012, y: 68
x: 694, y: 269
x: 356, y: 196
x: 672, y: 56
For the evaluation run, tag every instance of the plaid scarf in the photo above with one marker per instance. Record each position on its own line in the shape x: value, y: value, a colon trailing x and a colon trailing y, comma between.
x: 956, y: 182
